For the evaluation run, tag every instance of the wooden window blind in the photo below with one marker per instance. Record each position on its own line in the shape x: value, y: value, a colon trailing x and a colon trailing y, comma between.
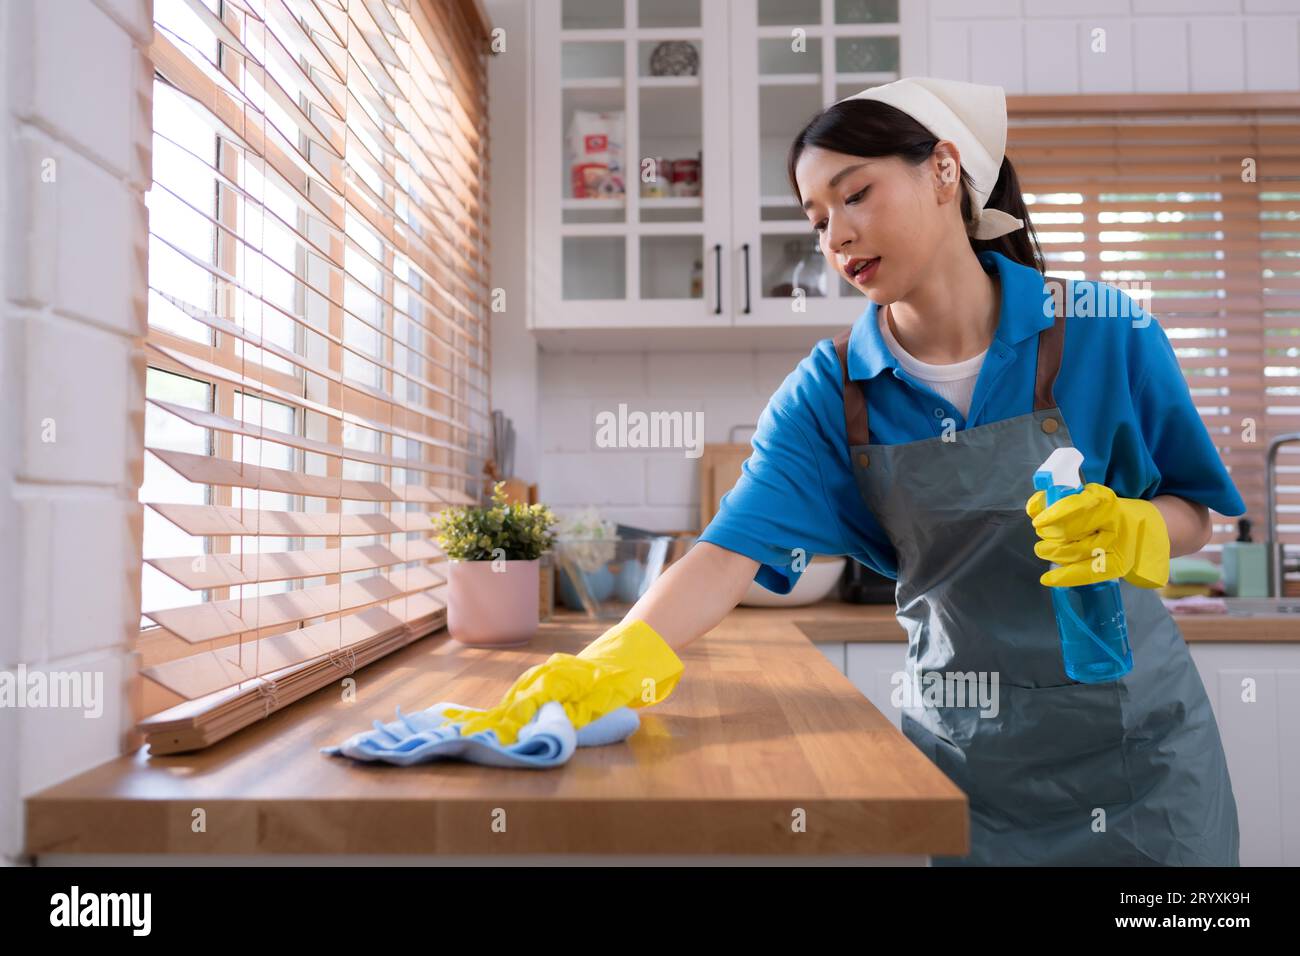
x: 317, y: 343
x: 1147, y: 193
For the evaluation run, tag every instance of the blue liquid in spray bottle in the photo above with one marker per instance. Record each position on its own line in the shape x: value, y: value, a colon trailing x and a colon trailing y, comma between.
x: 1089, y: 617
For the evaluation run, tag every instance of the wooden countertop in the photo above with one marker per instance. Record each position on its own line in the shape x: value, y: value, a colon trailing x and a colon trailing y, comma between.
x: 1249, y: 619
x: 761, y: 727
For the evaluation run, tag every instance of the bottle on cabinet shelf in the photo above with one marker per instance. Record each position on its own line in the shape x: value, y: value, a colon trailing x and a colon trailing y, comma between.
x: 801, y: 267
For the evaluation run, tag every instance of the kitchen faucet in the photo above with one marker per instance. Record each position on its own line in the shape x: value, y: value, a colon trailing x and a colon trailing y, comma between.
x: 1277, y: 567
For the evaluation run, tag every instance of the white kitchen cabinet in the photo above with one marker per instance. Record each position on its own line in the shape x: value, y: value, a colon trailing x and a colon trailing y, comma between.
x: 713, y: 262
x: 834, y: 652
x: 871, y: 666
x: 1254, y: 690
x: 775, y: 91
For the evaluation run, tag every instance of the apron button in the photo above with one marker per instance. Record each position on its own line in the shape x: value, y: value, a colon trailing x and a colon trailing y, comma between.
x: 1050, y: 425
x: 863, y: 459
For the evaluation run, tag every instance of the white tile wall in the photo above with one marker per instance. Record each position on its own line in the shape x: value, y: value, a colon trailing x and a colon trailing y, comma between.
x: 997, y: 51
x: 1069, y: 8
x: 949, y: 50
x: 1168, y: 71
x: 1186, y: 6
x: 1217, y: 47
x: 1051, y: 56
x: 1105, y: 55
x: 652, y: 488
x: 75, y: 90
x: 1152, y: 46
x: 1272, y: 63
x: 976, y: 9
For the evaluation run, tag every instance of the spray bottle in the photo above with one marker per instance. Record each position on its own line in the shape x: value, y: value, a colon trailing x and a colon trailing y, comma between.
x: 1089, y: 617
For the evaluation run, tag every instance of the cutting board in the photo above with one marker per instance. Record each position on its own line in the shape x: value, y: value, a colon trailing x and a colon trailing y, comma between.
x: 719, y: 471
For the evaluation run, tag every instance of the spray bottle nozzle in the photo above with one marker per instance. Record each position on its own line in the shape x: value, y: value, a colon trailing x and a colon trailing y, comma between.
x: 1061, y: 468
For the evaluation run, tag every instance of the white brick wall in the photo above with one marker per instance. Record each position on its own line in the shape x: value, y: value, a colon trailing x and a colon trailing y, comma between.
x: 1027, y: 46
x: 74, y: 164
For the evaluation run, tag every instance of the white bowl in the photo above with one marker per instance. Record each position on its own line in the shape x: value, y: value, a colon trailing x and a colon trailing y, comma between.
x: 816, y: 582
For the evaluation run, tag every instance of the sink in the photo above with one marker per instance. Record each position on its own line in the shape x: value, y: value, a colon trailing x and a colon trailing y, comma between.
x: 1262, y: 606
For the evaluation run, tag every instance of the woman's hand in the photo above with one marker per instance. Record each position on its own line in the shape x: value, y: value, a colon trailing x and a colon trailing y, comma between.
x: 630, y: 665
x: 1094, y: 535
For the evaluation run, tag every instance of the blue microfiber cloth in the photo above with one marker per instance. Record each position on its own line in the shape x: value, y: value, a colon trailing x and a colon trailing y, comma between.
x: 548, y: 740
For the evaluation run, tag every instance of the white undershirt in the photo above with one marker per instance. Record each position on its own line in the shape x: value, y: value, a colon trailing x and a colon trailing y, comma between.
x: 955, y: 382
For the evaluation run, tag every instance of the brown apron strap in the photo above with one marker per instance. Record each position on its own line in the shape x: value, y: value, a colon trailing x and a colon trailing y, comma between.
x: 1051, y: 341
x: 855, y: 399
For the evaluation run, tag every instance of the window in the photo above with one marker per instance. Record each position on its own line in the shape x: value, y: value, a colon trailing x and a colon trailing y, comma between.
x: 1191, y: 204
x: 317, y: 342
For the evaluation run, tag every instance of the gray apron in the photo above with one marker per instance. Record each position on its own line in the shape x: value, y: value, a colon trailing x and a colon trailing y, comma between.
x: 1125, y: 773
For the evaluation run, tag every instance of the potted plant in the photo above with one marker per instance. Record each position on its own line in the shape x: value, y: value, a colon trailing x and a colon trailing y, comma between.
x: 493, y: 597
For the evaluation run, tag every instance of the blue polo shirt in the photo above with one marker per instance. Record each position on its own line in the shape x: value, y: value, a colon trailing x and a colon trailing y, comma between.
x: 1120, y: 390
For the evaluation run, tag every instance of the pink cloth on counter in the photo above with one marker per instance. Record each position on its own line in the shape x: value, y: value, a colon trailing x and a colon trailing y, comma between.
x: 1196, y: 604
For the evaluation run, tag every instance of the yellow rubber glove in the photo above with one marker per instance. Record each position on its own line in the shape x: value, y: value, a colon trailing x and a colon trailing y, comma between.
x: 629, y: 665
x: 1130, y: 532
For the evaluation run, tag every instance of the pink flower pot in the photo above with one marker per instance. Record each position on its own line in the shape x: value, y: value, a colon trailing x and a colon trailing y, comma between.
x: 493, y: 608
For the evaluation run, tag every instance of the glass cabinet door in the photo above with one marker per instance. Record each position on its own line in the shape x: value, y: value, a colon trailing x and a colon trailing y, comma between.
x: 791, y: 58
x: 631, y: 200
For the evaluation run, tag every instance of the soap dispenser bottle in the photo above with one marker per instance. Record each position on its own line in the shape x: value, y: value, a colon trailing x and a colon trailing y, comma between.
x: 1245, y: 565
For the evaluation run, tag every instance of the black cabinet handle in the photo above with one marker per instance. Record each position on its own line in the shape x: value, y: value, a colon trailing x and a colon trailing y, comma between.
x: 717, y: 252
x: 746, y: 248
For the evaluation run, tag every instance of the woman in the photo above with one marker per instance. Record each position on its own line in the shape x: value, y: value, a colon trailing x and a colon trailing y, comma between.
x: 925, y: 475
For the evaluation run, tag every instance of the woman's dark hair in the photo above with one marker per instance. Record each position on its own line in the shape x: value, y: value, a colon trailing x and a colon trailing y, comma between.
x: 871, y: 128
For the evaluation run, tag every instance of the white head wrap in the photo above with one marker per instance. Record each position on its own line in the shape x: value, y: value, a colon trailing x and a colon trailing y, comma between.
x: 972, y: 116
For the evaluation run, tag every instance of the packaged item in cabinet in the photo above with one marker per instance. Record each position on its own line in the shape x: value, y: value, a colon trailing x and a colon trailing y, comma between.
x: 686, y: 177
x: 596, y: 154
x: 661, y: 185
